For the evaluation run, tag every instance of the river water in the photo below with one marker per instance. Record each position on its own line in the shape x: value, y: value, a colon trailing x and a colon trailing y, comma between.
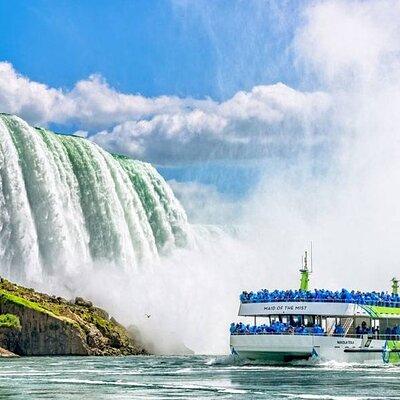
x: 198, y: 377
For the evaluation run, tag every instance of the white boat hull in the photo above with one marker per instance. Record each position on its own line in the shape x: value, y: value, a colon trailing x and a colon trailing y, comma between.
x: 286, y: 348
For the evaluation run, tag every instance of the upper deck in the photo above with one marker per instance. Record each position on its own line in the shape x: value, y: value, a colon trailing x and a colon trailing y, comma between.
x: 320, y: 302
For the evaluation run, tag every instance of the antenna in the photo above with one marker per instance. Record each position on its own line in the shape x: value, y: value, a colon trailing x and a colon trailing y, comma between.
x: 304, y: 271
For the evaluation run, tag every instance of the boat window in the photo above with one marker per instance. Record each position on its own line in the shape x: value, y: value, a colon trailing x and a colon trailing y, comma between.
x: 323, y: 324
x: 295, y: 320
x: 330, y: 325
x: 274, y: 318
x: 389, y: 328
x: 309, y: 320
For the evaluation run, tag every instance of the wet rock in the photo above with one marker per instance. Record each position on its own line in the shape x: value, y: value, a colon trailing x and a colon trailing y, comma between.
x: 79, y: 301
x: 102, y: 313
x: 6, y: 353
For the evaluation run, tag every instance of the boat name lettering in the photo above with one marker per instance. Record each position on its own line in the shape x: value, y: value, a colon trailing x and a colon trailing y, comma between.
x: 345, y: 342
x: 286, y: 308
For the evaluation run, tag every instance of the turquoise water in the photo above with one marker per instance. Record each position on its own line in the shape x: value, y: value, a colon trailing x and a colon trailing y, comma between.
x: 198, y: 377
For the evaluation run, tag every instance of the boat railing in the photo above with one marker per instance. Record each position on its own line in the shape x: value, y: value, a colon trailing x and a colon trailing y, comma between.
x: 350, y: 335
x: 302, y: 300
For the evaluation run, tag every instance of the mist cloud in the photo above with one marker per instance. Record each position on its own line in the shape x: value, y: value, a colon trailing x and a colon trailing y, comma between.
x: 350, y: 207
x: 349, y: 42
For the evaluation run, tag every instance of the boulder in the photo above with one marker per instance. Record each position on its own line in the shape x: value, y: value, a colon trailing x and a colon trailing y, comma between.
x: 5, y: 353
x: 79, y: 301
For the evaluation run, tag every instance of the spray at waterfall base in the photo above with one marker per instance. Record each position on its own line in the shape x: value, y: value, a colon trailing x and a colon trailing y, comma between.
x: 77, y: 220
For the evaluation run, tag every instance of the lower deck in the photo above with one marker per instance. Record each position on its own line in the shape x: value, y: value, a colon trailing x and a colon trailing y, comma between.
x: 286, y: 348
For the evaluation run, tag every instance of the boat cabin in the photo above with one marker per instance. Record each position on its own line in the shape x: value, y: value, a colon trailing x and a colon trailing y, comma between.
x: 321, y: 312
x: 344, y: 325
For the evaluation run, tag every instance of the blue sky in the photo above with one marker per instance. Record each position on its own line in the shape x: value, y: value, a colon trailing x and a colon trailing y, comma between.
x: 203, y: 50
x: 156, y: 47
x: 136, y: 45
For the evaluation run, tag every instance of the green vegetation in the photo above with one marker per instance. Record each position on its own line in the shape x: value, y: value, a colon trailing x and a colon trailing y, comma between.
x: 4, y: 297
x: 10, y: 321
x: 20, y: 301
x: 82, y: 314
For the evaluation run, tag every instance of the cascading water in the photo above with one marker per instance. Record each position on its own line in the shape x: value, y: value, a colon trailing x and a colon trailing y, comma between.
x: 66, y: 204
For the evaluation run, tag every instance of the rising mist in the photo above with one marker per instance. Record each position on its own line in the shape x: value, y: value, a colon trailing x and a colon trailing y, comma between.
x: 338, y: 188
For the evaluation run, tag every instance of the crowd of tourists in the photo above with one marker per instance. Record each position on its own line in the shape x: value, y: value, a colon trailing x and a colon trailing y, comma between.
x: 393, y: 333
x: 322, y: 295
x: 276, y: 327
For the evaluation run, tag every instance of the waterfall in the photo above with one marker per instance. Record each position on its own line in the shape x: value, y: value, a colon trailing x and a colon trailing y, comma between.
x: 66, y: 204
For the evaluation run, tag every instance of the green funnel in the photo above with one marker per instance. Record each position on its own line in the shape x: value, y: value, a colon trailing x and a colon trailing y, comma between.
x: 304, y: 275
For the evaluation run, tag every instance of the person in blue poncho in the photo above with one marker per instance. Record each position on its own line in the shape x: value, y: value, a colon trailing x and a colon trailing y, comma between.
x: 339, y: 331
x: 317, y: 330
x: 395, y: 332
x: 376, y: 332
x: 300, y: 330
x: 321, y: 295
x: 388, y: 332
x: 364, y: 328
x: 358, y: 331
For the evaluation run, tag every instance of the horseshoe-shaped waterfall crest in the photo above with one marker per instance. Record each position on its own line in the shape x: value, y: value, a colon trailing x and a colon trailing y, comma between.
x: 66, y: 204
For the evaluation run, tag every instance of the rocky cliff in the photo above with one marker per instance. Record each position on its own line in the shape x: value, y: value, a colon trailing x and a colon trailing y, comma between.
x: 36, y: 324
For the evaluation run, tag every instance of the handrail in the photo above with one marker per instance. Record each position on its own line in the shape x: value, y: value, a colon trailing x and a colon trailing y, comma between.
x: 394, y: 304
x: 352, y: 336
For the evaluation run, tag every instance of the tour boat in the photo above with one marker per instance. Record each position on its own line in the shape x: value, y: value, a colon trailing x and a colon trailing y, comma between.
x: 344, y: 326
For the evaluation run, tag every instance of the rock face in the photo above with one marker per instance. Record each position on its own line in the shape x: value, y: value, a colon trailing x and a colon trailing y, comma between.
x: 53, y: 326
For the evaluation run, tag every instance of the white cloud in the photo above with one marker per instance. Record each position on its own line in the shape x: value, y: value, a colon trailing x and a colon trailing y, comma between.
x: 33, y: 101
x: 169, y: 129
x: 91, y: 103
x: 343, y: 44
x: 249, y: 125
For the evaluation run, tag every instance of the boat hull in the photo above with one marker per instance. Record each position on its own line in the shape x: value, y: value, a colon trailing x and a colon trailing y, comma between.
x: 287, y: 348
